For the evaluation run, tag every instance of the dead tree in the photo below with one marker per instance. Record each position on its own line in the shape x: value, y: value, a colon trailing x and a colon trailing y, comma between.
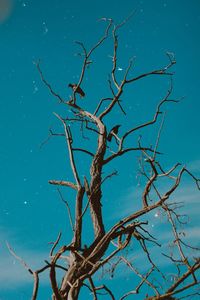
x: 85, y: 262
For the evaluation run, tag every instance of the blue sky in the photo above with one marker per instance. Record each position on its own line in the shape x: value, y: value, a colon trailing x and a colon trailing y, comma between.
x: 31, y: 213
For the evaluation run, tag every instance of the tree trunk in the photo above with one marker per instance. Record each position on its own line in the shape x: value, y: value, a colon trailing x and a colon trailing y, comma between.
x: 67, y: 291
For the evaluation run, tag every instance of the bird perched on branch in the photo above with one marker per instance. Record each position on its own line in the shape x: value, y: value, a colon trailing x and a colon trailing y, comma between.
x: 113, y: 132
x: 77, y: 89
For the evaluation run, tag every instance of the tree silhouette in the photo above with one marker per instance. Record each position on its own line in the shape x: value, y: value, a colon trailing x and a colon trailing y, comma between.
x: 107, y: 249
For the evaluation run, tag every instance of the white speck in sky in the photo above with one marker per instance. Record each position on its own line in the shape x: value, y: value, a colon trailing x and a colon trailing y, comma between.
x: 45, y: 28
x: 119, y: 69
x: 25, y: 202
x: 21, y: 100
x: 25, y: 179
x: 35, y: 88
x: 24, y: 4
x: 156, y: 215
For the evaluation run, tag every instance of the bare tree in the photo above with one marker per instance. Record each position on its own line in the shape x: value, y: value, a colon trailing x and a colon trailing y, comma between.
x: 107, y: 249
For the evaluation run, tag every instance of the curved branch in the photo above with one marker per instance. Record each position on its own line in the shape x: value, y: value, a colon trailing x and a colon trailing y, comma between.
x: 68, y: 209
x: 64, y: 183
x: 87, y: 56
x: 121, y: 152
x: 84, y: 151
x: 69, y: 144
x: 47, y: 84
x: 151, y: 122
x: 162, y: 71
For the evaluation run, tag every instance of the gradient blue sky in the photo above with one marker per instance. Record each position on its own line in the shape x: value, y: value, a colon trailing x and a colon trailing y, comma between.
x: 31, y: 214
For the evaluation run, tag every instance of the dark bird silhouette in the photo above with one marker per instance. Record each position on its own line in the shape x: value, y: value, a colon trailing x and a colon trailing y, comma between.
x: 77, y: 89
x: 114, y: 131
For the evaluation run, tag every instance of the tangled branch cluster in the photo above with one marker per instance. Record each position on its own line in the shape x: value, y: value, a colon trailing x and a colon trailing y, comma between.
x: 84, y: 262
